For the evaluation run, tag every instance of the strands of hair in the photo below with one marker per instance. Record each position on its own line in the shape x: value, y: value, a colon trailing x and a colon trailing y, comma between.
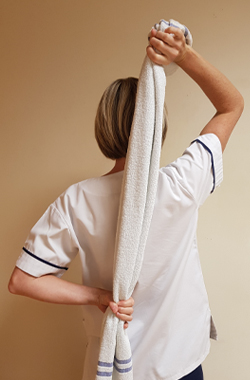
x: 114, y: 118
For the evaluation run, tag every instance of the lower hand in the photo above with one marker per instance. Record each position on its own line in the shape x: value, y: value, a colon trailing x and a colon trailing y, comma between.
x: 171, y: 46
x: 122, y: 310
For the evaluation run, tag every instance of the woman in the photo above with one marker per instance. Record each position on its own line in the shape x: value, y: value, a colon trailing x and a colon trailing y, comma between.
x: 172, y: 322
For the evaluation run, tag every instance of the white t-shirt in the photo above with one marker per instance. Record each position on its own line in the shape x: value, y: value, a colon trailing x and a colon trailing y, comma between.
x: 172, y: 322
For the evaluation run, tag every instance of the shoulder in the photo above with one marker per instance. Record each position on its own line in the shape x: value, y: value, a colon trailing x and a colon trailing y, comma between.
x: 199, y: 170
x: 96, y: 186
x: 88, y: 190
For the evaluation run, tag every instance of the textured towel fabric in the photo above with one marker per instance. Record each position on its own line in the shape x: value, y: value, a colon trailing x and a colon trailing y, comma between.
x: 136, y: 208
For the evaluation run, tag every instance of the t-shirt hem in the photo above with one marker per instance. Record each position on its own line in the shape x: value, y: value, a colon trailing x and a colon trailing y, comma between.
x: 188, y: 370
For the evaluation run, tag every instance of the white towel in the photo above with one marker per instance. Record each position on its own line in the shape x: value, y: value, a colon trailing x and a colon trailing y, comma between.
x: 136, y: 208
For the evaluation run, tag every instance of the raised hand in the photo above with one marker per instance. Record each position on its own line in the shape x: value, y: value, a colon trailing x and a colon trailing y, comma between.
x: 170, y: 45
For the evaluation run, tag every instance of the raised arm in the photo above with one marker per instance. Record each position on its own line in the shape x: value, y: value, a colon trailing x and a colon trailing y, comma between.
x: 55, y: 290
x: 219, y: 90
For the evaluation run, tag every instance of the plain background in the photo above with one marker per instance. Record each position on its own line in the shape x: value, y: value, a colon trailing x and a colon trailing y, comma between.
x: 57, y: 57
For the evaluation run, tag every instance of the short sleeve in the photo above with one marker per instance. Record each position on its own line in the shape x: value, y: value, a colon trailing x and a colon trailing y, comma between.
x: 200, y: 170
x: 49, y: 247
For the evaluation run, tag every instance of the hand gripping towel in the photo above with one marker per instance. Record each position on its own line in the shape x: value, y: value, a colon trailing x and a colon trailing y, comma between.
x: 137, y: 201
x: 162, y: 26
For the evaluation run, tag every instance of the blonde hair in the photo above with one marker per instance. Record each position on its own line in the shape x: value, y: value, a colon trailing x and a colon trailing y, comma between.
x: 114, y: 118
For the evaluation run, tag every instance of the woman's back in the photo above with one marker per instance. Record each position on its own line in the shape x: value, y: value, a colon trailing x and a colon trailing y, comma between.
x: 172, y: 308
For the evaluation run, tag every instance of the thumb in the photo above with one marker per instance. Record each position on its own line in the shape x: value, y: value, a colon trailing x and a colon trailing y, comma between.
x: 113, y: 306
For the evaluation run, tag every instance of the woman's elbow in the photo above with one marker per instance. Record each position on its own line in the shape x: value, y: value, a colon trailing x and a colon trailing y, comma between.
x: 17, y: 281
x: 240, y: 104
x: 13, y: 285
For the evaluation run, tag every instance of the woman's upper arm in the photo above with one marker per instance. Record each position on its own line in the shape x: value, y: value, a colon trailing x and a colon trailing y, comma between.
x: 222, y: 124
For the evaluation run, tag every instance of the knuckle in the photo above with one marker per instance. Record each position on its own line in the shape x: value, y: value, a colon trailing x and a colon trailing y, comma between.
x: 157, y: 43
x: 175, y: 54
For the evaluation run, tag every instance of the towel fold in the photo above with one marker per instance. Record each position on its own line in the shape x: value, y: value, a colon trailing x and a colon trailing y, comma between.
x: 136, y: 209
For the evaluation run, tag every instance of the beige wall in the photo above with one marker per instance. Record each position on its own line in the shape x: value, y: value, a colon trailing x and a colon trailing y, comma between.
x: 57, y: 57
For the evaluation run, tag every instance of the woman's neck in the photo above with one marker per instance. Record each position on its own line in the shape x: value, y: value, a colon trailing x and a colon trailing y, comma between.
x: 119, y: 166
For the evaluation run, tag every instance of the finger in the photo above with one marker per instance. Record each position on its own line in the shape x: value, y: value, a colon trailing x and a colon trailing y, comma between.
x: 125, y: 325
x: 126, y: 310
x: 171, y: 37
x: 161, y: 44
x: 162, y: 38
x: 113, y: 306
x: 156, y: 58
x: 152, y: 32
x: 174, y: 30
x: 124, y: 317
x: 126, y: 303
x: 167, y: 47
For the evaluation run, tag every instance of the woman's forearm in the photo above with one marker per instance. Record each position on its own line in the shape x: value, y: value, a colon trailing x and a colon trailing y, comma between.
x: 220, y: 91
x: 52, y: 289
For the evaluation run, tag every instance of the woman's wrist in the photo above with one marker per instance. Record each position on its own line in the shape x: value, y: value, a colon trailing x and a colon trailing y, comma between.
x: 187, y: 54
x: 91, y: 296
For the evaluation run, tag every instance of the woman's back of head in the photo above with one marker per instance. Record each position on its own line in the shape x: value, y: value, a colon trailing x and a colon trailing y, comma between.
x: 114, y: 118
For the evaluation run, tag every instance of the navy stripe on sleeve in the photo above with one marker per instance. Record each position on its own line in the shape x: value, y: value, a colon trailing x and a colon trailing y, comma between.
x: 212, y: 160
x: 43, y: 261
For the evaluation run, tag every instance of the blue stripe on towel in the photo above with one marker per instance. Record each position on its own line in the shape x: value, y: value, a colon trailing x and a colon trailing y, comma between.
x: 118, y: 363
x: 123, y: 370
x: 104, y: 374
x: 123, y: 361
x: 105, y: 364
x: 165, y: 22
